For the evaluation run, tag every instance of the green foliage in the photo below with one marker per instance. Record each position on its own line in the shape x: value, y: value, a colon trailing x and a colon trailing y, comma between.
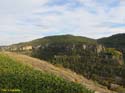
x: 14, y: 75
x: 113, y: 52
x: 115, y: 41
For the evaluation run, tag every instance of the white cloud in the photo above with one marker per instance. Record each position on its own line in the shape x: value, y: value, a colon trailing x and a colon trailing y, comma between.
x: 23, y: 20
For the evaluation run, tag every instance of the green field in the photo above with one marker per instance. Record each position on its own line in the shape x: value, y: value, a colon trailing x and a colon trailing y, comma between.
x: 18, y: 78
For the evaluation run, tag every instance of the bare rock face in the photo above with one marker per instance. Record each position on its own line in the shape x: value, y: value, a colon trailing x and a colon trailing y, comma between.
x: 97, y: 92
x: 114, y: 86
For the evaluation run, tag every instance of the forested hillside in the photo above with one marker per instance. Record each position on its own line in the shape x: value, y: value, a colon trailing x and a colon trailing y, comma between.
x: 96, y: 61
x: 92, y: 60
x: 115, y: 41
x: 104, y: 65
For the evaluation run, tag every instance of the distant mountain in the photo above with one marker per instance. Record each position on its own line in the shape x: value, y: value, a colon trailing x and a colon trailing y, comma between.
x: 66, y: 39
x: 114, y: 41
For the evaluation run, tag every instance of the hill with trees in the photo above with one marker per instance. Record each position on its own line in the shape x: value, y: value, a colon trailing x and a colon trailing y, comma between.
x: 114, y: 41
x: 66, y: 39
x: 85, y: 56
x: 90, y: 59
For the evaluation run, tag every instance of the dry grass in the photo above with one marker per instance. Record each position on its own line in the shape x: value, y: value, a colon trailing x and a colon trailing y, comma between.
x: 59, y: 71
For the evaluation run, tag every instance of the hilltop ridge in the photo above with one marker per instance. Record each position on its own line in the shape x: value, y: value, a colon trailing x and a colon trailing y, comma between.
x: 115, y: 41
x: 58, y: 39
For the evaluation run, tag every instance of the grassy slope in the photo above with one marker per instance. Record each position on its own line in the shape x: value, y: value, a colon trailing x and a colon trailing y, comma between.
x: 14, y: 75
x: 59, y: 71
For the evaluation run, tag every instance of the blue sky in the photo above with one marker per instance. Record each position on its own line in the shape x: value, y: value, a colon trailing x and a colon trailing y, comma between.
x: 25, y: 20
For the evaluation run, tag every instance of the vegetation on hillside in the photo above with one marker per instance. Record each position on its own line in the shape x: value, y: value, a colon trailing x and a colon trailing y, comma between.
x: 19, y: 78
x: 66, y: 39
x: 114, y: 52
x: 103, y: 67
x: 115, y: 41
x: 84, y: 56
